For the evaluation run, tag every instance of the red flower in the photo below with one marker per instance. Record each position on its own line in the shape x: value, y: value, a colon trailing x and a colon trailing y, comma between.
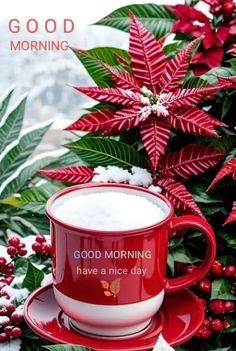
x: 195, y: 23
x: 152, y: 97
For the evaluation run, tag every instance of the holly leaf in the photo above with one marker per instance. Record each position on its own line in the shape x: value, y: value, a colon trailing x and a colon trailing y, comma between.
x: 157, y: 18
x: 191, y: 160
x: 220, y: 290
x: 33, y: 277
x: 104, y: 152
x: 115, y: 286
x: 229, y: 237
x: 75, y: 175
x: 108, y: 293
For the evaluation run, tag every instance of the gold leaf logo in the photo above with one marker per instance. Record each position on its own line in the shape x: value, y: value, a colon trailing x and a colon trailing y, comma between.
x: 111, y: 289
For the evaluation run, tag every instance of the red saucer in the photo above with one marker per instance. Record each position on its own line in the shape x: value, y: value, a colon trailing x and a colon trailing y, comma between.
x: 179, y: 318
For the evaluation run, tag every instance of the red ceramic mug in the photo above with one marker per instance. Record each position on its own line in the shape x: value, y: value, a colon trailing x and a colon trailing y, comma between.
x: 111, y: 283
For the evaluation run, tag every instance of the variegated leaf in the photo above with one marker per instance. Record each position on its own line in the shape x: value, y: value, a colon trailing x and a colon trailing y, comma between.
x: 75, y: 175
x: 191, y: 97
x: 193, y: 120
x: 177, y: 67
x: 179, y: 196
x: 116, y: 96
x: 155, y: 134
x: 232, y: 216
x: 147, y: 57
x: 123, y: 79
x: 108, y: 121
x: 229, y: 168
x: 190, y: 161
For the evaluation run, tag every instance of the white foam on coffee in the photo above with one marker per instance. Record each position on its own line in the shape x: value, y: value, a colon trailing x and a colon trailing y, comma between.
x: 109, y: 211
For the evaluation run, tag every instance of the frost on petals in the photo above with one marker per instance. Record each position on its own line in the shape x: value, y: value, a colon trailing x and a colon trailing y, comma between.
x: 162, y: 345
x: 153, y: 103
x: 112, y: 174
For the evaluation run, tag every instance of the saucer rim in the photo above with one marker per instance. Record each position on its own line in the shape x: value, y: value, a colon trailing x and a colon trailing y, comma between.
x: 53, y: 339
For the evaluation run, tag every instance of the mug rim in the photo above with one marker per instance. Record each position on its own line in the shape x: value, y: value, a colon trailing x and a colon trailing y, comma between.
x: 100, y: 233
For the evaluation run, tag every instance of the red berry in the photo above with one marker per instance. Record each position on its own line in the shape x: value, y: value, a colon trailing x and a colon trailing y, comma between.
x: 37, y: 247
x: 3, y: 312
x: 216, y: 268
x: 206, y: 323
x: 15, y: 332
x: 8, y: 329
x: 47, y: 248
x: 226, y: 324
x: 228, y: 8
x: 40, y: 239
x: 229, y: 271
x: 12, y: 250
x: 203, y: 333
x: 216, y: 325
x: 17, y: 317
x: 3, y: 337
x: 204, y: 285
x: 3, y: 262
x: 14, y: 241
x: 22, y: 245
x: 10, y: 308
x: 189, y: 269
x: 229, y: 306
x: 6, y: 321
x: 217, y: 307
x: 9, y: 271
x: 9, y: 279
x: 22, y: 252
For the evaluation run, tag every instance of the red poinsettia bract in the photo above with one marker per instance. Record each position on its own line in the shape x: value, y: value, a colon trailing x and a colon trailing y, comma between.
x: 228, y: 169
x: 190, y: 161
x: 196, y: 23
x: 152, y: 97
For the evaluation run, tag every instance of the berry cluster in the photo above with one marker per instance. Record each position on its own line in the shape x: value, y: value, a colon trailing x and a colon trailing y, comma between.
x: 6, y: 271
x: 15, y: 247
x: 41, y: 246
x: 10, y: 318
x: 216, y: 310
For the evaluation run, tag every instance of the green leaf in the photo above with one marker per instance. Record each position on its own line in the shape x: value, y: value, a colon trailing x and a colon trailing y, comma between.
x: 5, y: 102
x: 232, y: 63
x: 104, y: 152
x: 212, y: 75
x: 156, y: 18
x: 33, y: 277
x: 227, y: 104
x: 21, y: 150
x: 23, y: 174
x: 199, y: 192
x: 194, y: 82
x: 20, y: 266
x: 92, y: 61
x: 220, y: 290
x: 66, y: 348
x: 10, y: 125
x: 229, y: 237
x: 221, y: 349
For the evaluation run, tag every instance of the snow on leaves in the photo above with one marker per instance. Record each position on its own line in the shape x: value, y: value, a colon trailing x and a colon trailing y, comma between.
x: 151, y: 97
